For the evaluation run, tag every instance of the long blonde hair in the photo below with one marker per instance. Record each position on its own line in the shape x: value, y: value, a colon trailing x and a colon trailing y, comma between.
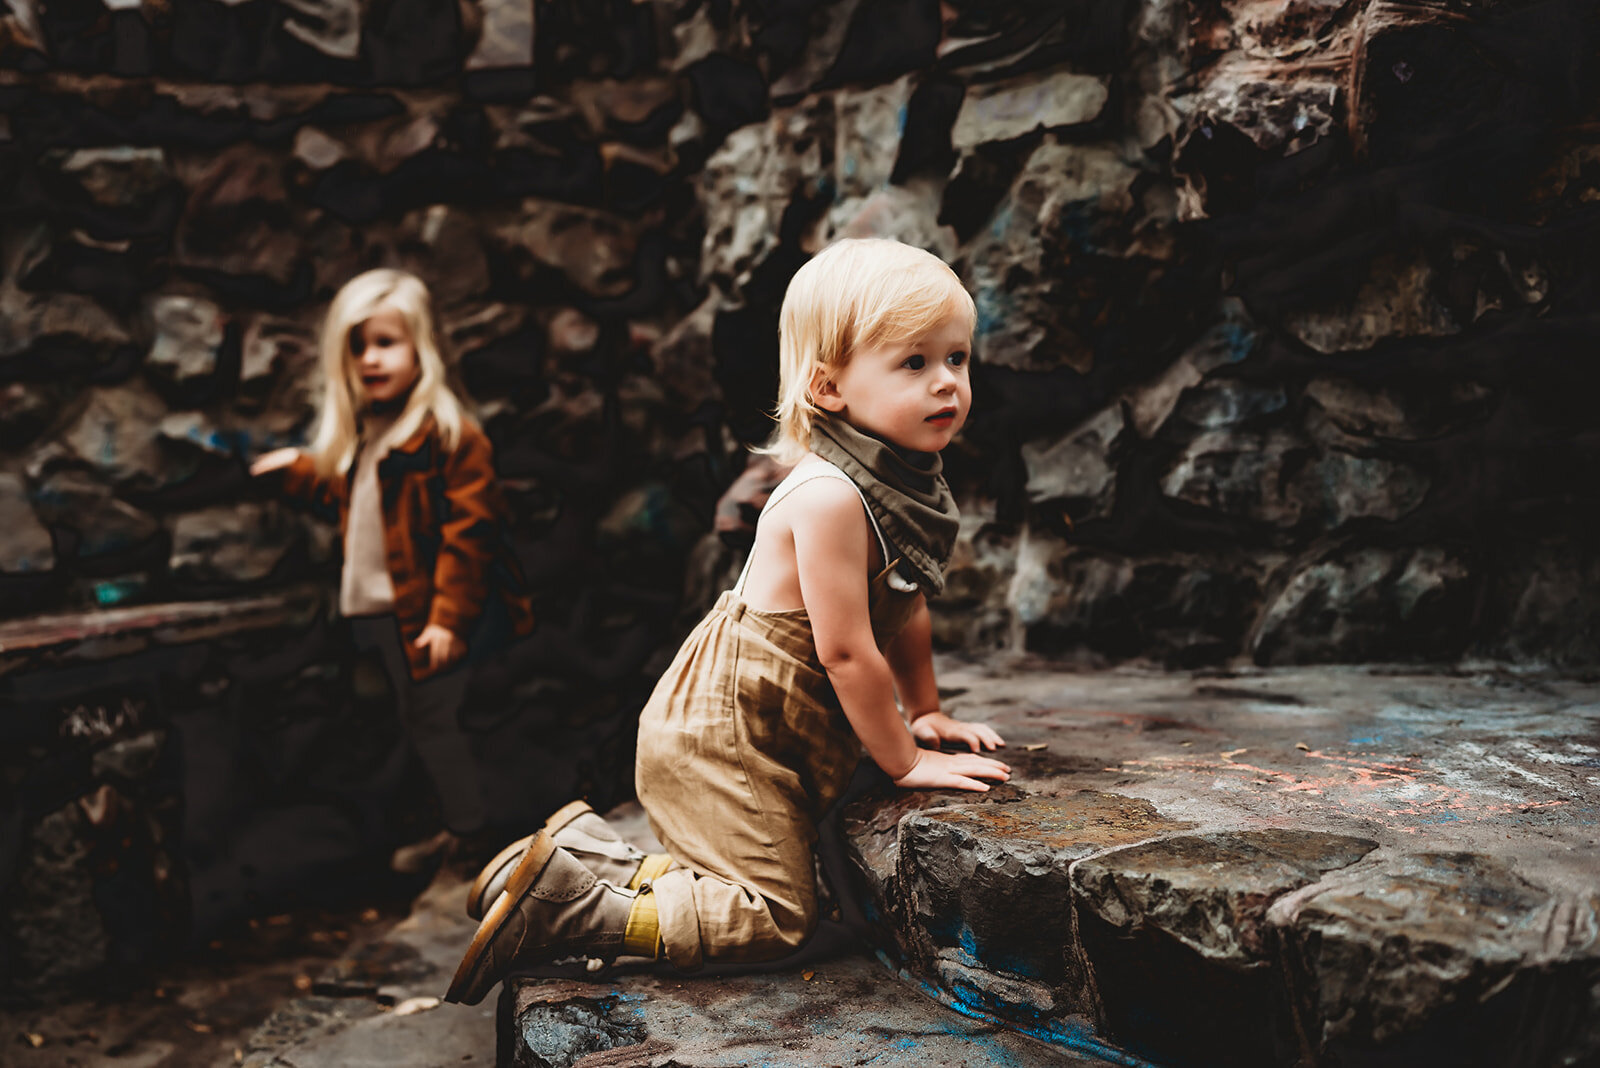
x: 857, y: 292
x: 333, y: 447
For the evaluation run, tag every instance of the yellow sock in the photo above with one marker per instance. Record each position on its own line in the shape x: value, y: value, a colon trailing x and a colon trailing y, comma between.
x: 643, y: 935
x: 652, y: 867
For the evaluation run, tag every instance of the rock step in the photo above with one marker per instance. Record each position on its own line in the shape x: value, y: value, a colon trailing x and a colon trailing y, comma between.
x: 1257, y: 908
x: 1310, y: 867
x: 75, y: 635
x: 845, y: 1011
x: 832, y: 1004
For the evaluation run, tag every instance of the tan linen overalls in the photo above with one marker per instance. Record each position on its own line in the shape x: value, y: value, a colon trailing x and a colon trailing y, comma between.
x: 742, y: 748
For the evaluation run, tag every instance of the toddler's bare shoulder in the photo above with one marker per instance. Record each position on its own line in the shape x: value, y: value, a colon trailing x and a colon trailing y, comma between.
x: 826, y: 492
x: 825, y: 503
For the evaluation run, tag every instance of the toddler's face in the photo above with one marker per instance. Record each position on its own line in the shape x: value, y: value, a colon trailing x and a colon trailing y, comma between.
x: 914, y: 394
x: 385, y: 357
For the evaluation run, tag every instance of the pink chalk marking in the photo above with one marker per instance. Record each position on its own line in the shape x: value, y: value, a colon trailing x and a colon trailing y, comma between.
x: 1358, y: 778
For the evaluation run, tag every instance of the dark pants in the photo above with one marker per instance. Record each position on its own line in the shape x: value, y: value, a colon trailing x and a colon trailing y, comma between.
x: 429, y: 712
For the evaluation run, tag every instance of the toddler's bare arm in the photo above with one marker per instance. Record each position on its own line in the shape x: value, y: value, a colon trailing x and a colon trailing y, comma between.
x: 831, y: 554
x: 911, y: 660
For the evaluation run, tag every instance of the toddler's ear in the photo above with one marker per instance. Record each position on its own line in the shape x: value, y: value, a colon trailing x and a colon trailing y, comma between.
x: 824, y: 393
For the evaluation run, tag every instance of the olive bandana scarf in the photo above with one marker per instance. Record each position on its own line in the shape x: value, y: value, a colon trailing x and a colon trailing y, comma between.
x: 905, y: 492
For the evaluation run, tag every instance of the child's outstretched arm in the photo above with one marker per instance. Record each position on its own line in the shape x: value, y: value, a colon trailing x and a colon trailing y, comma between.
x: 275, y: 460
x: 831, y: 542
x: 297, y: 476
x: 911, y: 660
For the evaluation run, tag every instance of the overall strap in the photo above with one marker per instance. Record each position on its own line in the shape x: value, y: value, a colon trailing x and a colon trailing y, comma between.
x: 819, y: 469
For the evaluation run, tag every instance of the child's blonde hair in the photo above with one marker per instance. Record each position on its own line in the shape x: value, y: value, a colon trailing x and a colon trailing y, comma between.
x: 856, y: 292
x: 334, y: 446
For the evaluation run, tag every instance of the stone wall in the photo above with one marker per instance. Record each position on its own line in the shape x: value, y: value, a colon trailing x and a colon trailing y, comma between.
x: 1286, y: 335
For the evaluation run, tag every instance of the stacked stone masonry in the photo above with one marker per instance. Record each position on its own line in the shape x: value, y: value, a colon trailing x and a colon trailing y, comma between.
x: 1285, y: 311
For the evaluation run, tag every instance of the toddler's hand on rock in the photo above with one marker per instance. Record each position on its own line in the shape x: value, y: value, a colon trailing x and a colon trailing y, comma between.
x: 960, y: 771
x: 935, y: 728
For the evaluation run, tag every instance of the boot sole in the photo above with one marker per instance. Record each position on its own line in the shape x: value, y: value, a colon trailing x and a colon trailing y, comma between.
x: 540, y: 850
x: 476, y: 906
x: 508, y: 856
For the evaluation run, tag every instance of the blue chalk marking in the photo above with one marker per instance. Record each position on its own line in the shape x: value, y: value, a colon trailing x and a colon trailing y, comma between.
x: 1001, y: 222
x: 1073, y: 1037
x: 1376, y: 739
x: 112, y: 592
x: 964, y: 937
x: 1239, y: 339
x: 992, y: 307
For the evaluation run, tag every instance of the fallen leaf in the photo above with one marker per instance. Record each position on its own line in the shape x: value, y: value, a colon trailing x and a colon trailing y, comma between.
x: 302, y: 982
x: 1302, y: 745
x: 1186, y: 744
x: 807, y: 974
x: 238, y: 1055
x: 33, y: 1039
x: 369, y: 916
x: 1035, y: 747
x: 1231, y: 753
x: 412, y: 1006
x: 198, y: 1027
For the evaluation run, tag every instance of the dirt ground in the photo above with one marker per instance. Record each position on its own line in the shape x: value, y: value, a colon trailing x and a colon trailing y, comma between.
x: 196, y: 1011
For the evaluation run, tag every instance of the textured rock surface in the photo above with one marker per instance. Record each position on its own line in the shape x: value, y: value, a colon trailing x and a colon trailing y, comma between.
x: 847, y: 1010
x: 25, y: 544
x: 1183, y: 956
x: 1264, y: 293
x: 1374, y: 604
x: 230, y: 546
x: 1491, y: 968
x: 1335, y: 867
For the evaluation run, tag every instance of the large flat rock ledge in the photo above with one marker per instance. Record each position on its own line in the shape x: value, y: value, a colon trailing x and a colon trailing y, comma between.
x: 1335, y: 866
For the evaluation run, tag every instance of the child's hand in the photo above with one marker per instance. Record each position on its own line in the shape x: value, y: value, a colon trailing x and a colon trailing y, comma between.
x: 442, y: 646
x: 272, y: 461
x: 959, y: 771
x: 936, y: 728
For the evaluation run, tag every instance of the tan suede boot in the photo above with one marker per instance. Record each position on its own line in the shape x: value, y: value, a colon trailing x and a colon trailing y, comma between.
x: 579, y: 830
x: 553, y: 907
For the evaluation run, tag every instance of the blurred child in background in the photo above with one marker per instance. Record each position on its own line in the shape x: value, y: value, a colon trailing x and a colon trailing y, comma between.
x: 428, y: 574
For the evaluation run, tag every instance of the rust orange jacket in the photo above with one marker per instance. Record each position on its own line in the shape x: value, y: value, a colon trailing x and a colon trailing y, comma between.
x: 444, y: 534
